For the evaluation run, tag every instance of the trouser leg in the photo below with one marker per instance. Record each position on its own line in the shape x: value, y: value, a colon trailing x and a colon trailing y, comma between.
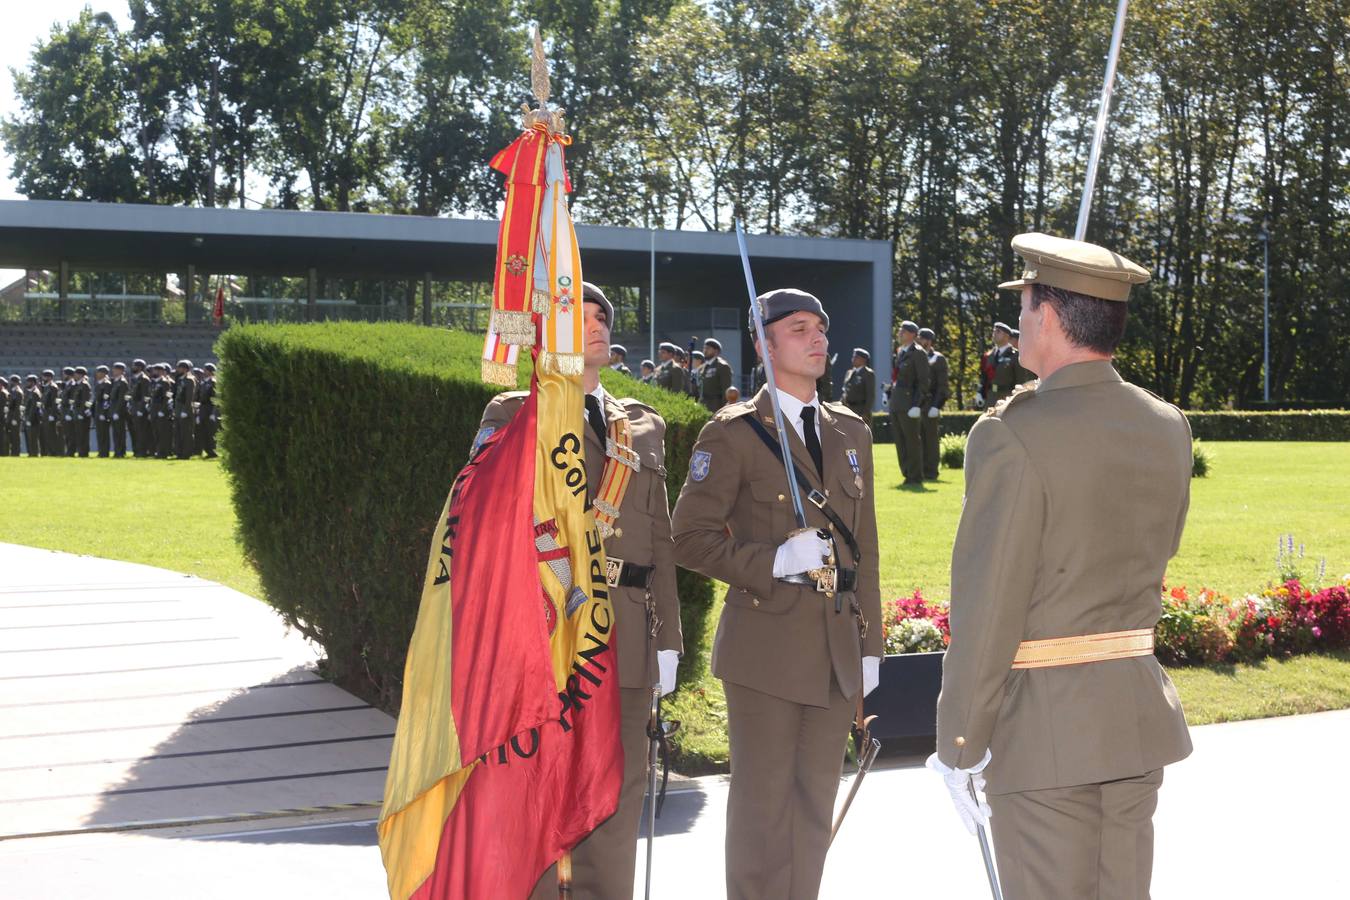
x: 119, y: 437
x: 929, y: 429
x: 911, y: 456
x: 104, y: 438
x: 897, y: 435
x: 1090, y: 841
x: 604, y: 863
x: 786, y: 759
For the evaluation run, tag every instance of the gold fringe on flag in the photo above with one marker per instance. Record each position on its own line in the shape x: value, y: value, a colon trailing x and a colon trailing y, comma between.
x: 503, y: 374
x: 514, y: 327
x: 542, y: 303
x: 562, y: 363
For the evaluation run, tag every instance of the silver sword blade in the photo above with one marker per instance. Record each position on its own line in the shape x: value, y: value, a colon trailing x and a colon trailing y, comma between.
x: 985, y: 851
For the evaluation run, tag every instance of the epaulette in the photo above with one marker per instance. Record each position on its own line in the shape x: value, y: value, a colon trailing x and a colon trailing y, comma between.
x: 1022, y: 390
x: 839, y: 409
x: 632, y: 402
x: 734, y: 410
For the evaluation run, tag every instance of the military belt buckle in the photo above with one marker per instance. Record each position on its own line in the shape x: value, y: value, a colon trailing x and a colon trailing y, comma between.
x: 613, y: 569
x: 826, y: 578
x: 816, y: 498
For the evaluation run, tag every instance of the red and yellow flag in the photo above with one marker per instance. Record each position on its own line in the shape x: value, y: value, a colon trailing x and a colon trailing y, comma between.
x: 507, y: 750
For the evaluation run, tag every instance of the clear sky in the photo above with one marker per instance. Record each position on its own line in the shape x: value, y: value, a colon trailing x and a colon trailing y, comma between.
x: 26, y: 23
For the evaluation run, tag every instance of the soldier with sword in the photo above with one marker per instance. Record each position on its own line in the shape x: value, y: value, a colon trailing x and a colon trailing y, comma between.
x: 778, y: 505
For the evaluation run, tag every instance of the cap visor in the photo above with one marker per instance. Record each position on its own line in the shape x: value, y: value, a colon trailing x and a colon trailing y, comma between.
x: 1014, y: 285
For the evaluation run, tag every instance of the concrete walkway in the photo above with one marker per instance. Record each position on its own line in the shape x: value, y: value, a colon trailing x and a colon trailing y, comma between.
x: 132, y: 697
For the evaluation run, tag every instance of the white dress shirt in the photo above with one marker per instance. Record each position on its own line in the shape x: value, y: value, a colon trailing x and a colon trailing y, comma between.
x: 792, y: 412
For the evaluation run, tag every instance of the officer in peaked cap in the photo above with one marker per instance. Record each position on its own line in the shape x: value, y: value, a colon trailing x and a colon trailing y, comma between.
x: 648, y: 371
x: 1076, y: 494
x: 117, y: 409
x: 939, y: 391
x: 795, y: 652
x: 160, y: 411
x: 859, y: 392
x: 33, y: 418
x: 80, y: 413
x: 52, y: 444
x: 998, y: 368
x: 13, y: 414
x: 208, y: 414
x: 1023, y: 374
x: 908, y: 394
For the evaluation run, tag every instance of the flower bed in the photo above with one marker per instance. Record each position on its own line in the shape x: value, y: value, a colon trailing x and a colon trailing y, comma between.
x: 1196, y: 628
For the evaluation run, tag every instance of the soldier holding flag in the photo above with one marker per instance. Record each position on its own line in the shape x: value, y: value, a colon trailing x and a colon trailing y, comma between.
x: 641, y: 578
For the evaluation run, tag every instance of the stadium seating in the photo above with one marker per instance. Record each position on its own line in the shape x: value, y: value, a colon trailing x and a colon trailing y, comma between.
x: 30, y: 347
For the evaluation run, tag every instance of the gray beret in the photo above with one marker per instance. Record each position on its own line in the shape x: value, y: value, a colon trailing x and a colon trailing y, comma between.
x: 49, y: 373
x: 120, y: 365
x: 999, y: 326
x: 928, y: 334
x: 67, y: 370
x: 909, y: 326
x: 780, y: 304
x: 138, y: 363
x: 81, y: 370
x: 592, y: 294
x: 668, y: 347
x: 210, y: 367
x: 647, y: 364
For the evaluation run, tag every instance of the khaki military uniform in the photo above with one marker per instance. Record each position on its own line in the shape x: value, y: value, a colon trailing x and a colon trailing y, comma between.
x: 672, y: 377
x: 1003, y: 362
x: 939, y: 392
x: 1076, y: 494
x: 860, y: 392
x: 790, y: 663
x: 714, y: 378
x: 603, y: 864
x: 911, y: 389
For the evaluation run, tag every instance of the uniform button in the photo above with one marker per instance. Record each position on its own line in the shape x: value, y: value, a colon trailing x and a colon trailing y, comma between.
x: 618, y: 532
x: 781, y: 498
x: 754, y: 601
x: 959, y: 741
x: 829, y: 593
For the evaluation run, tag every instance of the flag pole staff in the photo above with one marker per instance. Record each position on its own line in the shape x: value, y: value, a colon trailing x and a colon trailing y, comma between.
x: 1103, y: 113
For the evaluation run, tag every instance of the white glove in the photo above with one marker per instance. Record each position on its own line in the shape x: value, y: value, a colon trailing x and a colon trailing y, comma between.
x: 666, y: 663
x: 871, y: 673
x: 116, y: 417
x: 933, y: 412
x: 959, y: 782
x: 800, y: 553
x: 914, y: 412
x: 69, y: 419
x: 182, y: 415
x: 979, y: 401
x: 160, y: 415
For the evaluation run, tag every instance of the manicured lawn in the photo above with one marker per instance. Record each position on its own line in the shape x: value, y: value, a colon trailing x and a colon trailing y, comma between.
x: 174, y: 514
x: 177, y: 515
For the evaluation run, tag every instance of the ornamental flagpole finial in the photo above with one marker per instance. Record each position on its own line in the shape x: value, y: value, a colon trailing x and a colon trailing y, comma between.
x: 539, y: 71
x: 551, y: 119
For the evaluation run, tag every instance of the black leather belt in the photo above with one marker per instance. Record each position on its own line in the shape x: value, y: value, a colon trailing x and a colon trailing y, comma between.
x: 847, y: 580
x: 621, y: 573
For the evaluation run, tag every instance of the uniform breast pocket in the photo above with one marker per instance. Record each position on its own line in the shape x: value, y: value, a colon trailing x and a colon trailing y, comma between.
x: 772, y: 517
x: 779, y: 603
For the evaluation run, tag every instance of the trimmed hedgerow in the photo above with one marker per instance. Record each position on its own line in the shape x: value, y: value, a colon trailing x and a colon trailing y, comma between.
x: 340, y: 441
x: 1223, y: 425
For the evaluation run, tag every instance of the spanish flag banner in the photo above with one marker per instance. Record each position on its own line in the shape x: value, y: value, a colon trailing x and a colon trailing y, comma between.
x: 507, y: 749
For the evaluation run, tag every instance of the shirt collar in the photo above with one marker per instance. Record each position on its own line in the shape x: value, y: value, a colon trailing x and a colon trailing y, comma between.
x: 792, y: 407
x: 599, y: 394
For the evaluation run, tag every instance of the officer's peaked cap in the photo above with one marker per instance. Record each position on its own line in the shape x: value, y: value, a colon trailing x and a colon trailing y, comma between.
x: 668, y: 347
x: 909, y: 326
x: 859, y: 351
x: 138, y: 363
x: 713, y: 343
x: 185, y: 364
x: 1075, y: 266
x: 647, y: 364
x: 1003, y: 327
x: 102, y: 369
x: 67, y: 370
x: 120, y: 365
x: 49, y: 373
x: 210, y: 367
x: 619, y: 349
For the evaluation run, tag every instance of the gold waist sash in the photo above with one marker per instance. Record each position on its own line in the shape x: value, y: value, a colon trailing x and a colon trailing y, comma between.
x: 1087, y: 648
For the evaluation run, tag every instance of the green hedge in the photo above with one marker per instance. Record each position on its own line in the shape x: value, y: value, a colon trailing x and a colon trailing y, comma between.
x: 1235, y: 425
x: 340, y: 441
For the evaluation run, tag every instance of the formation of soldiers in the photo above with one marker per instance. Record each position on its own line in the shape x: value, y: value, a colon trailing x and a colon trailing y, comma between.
x: 1053, y: 600
x: 701, y: 374
x: 158, y: 411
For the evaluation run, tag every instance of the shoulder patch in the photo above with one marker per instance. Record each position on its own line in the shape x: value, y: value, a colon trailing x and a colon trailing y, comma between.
x: 699, y: 464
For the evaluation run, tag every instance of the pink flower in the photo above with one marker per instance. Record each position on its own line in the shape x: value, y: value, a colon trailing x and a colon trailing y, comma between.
x: 1317, y: 632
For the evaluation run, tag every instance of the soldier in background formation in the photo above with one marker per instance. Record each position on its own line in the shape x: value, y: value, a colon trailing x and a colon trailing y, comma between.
x: 908, y: 394
x: 648, y: 370
x: 618, y: 355
x: 161, y: 414
x: 939, y: 391
x: 1023, y: 373
x: 714, y: 376
x: 859, y: 392
x: 670, y: 374
x: 998, y: 369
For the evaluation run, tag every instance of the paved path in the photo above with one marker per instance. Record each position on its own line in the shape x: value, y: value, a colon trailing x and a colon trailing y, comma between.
x: 1257, y: 812
x: 131, y: 695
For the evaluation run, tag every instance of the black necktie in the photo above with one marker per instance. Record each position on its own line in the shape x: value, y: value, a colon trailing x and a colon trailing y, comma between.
x: 597, y: 419
x: 812, y: 440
